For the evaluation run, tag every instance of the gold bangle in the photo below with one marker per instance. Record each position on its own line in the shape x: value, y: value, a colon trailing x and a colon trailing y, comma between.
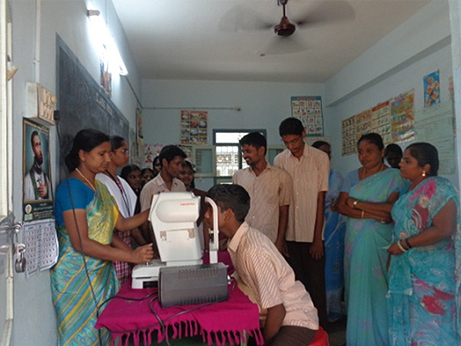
x: 363, y: 213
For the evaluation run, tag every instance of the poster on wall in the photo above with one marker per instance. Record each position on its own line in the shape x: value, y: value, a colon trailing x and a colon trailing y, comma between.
x: 402, y: 117
x: 381, y: 121
x: 431, y: 89
x: 194, y: 127
x: 348, y: 133
x: 105, y: 74
x: 363, y: 124
x: 308, y: 109
x: 37, y: 189
x: 150, y: 152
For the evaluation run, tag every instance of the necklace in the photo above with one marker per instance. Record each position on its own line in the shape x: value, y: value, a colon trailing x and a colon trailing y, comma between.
x: 364, y: 172
x: 86, y: 179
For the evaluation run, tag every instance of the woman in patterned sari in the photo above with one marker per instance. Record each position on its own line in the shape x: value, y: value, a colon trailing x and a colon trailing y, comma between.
x: 425, y: 271
x: 86, y: 216
x: 366, y: 199
x: 334, y: 231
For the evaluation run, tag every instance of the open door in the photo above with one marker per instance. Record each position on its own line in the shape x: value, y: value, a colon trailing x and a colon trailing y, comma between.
x: 7, y: 227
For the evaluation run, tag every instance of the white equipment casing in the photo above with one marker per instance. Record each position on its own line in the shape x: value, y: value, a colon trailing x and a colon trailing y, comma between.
x: 173, y: 216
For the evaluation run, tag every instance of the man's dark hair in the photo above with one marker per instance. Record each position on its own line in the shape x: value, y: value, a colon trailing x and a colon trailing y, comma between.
x: 255, y: 139
x: 231, y: 196
x: 32, y: 135
x: 393, y: 148
x: 318, y: 144
x: 291, y: 126
x: 169, y: 152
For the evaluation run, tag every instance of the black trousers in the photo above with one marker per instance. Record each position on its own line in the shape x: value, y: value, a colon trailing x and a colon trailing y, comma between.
x: 289, y: 336
x: 311, y: 272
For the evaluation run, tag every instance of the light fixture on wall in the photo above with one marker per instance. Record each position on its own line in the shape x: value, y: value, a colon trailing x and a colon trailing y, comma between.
x: 100, y: 30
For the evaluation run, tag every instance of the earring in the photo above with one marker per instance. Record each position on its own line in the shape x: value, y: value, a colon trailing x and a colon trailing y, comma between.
x: 423, y: 174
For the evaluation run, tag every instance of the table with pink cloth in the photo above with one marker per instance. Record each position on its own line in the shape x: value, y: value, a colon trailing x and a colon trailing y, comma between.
x: 227, y: 322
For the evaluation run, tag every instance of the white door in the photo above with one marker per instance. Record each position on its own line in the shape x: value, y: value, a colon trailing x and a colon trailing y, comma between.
x: 6, y: 205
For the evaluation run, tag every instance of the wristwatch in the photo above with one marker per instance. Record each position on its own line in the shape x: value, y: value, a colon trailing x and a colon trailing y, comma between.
x: 354, y: 204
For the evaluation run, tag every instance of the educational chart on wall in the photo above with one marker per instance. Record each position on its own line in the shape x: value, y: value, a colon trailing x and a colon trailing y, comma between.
x: 194, y: 127
x: 38, y: 192
x: 348, y: 133
x: 392, y: 119
x: 402, y: 117
x: 83, y: 103
x: 435, y: 125
x: 431, y: 89
x: 308, y: 109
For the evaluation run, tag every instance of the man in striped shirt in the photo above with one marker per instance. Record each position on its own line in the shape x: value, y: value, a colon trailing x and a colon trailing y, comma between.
x: 291, y: 316
x: 270, y: 190
x: 309, y: 169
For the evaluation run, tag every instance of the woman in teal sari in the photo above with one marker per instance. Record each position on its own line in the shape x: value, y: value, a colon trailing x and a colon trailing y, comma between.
x: 425, y: 271
x: 86, y: 216
x: 366, y: 199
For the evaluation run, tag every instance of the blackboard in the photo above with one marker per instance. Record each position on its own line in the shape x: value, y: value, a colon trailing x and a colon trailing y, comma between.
x: 82, y: 103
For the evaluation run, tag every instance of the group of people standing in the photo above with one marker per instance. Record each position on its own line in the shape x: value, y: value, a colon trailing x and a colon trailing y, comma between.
x: 402, y: 249
x: 394, y: 230
x: 398, y: 238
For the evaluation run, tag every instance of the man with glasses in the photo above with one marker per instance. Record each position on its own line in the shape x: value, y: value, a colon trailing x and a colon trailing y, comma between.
x: 309, y: 169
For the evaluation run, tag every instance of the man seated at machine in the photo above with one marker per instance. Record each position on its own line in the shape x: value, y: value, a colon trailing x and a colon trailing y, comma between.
x: 291, y: 317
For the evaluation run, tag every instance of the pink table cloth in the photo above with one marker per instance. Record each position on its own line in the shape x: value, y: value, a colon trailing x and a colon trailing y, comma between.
x: 222, y: 323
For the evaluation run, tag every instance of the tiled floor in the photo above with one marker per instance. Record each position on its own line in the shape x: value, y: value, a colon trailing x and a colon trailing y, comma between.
x: 337, y: 333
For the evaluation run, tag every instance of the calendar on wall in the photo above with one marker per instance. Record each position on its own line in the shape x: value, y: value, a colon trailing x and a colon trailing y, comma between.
x: 308, y: 109
x: 41, y: 243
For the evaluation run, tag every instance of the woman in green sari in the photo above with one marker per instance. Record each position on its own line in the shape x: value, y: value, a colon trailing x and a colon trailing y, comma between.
x: 366, y: 199
x: 86, y: 216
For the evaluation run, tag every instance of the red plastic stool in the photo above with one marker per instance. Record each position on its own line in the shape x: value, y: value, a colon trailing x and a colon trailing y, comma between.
x: 321, y: 338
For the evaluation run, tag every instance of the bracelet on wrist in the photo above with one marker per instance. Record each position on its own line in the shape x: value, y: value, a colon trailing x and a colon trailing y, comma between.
x: 363, y: 213
x: 408, y: 243
x: 401, y: 246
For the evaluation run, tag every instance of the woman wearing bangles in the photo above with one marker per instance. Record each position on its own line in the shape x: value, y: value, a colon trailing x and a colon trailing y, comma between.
x: 424, y: 276
x: 366, y: 199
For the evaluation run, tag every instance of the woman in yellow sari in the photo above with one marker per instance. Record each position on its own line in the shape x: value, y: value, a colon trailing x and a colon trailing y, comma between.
x: 86, y: 216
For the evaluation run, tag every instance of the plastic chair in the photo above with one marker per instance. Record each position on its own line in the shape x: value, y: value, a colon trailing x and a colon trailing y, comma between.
x: 321, y: 338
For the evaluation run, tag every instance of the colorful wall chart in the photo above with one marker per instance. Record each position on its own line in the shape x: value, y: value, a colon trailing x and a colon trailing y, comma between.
x: 194, y: 127
x: 308, y: 109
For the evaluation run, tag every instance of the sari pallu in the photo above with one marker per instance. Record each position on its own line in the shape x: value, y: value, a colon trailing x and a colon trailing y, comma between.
x: 424, y: 283
x: 77, y: 302
x: 334, y: 231
x: 365, y: 261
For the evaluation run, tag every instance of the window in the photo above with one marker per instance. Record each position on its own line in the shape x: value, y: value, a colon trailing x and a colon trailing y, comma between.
x: 228, y: 154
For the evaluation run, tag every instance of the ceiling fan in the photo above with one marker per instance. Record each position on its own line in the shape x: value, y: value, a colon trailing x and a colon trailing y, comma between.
x: 246, y: 17
x: 285, y: 27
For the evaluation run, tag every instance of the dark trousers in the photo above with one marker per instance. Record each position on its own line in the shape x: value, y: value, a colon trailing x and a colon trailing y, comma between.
x: 311, y: 272
x: 289, y: 336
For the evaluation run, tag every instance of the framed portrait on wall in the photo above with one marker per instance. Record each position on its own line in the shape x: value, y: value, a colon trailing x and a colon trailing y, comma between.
x: 37, y: 188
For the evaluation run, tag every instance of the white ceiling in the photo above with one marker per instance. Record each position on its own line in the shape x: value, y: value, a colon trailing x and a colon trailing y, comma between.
x: 235, y: 40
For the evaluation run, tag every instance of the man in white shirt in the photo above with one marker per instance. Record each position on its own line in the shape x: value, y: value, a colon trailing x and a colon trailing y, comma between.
x: 270, y: 189
x: 172, y: 159
x: 36, y: 183
x: 309, y: 169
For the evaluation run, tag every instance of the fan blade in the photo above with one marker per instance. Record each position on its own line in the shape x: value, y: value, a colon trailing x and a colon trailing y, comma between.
x: 327, y: 12
x: 284, y: 45
x: 243, y: 18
